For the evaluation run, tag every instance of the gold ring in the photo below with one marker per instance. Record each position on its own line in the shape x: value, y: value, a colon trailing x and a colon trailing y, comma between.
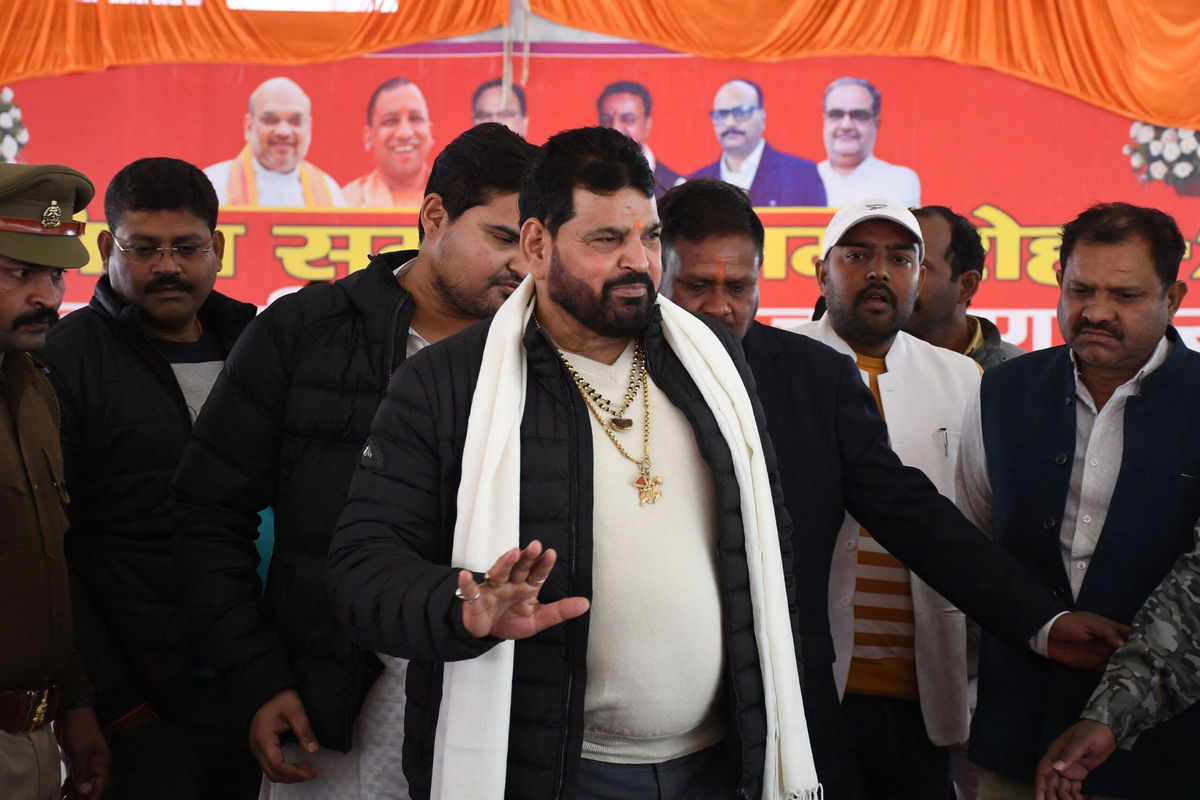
x: 536, y: 583
x: 487, y: 578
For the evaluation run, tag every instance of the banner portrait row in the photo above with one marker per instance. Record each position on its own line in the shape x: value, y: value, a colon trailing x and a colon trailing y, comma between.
x: 1018, y: 159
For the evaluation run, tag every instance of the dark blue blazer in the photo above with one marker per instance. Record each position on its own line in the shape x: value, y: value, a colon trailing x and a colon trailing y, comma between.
x: 781, y: 180
x: 1028, y: 413
x: 664, y: 179
x: 833, y: 454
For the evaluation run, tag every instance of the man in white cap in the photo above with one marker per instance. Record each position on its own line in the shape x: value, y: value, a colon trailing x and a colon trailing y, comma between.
x: 901, y: 647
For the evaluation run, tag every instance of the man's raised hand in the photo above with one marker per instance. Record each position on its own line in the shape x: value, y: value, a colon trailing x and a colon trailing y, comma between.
x: 506, y: 605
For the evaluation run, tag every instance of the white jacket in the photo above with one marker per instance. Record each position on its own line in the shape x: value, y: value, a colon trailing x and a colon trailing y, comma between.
x: 925, y: 394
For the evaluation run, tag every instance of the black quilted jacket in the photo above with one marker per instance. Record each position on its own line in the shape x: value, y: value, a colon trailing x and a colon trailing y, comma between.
x: 124, y: 426
x: 282, y: 428
x: 393, y: 588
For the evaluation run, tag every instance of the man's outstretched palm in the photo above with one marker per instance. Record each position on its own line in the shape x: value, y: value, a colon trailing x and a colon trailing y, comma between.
x: 506, y: 605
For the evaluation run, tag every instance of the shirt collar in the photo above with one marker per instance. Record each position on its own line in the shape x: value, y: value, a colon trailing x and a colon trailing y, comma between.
x: 749, y: 169
x: 977, y: 340
x: 1133, y: 386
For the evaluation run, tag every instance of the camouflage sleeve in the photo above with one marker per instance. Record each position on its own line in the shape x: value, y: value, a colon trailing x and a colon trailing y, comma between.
x: 1156, y: 673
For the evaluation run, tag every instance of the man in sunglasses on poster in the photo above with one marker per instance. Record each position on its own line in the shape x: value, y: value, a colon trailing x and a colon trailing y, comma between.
x: 850, y: 170
x: 747, y: 161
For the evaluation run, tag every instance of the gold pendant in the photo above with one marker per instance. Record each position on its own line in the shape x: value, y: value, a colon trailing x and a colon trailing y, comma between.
x: 648, y: 488
x: 620, y: 424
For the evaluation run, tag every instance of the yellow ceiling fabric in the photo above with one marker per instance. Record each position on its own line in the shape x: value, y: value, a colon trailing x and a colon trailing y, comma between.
x: 1138, y: 58
x: 55, y: 37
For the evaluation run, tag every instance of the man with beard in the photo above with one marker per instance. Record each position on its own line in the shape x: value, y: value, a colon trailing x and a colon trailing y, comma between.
x: 953, y: 270
x: 42, y: 679
x: 132, y: 370
x: 901, y: 647
x: 591, y: 426
x: 399, y: 136
x: 282, y: 428
x: 271, y: 170
x: 1082, y: 461
x: 771, y: 178
x: 834, y: 457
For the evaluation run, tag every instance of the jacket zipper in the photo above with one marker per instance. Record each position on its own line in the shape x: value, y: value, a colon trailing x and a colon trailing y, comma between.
x: 390, y: 353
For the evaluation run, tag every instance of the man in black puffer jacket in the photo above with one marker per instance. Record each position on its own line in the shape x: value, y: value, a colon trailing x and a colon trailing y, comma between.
x: 661, y: 689
x: 131, y: 370
x: 283, y: 427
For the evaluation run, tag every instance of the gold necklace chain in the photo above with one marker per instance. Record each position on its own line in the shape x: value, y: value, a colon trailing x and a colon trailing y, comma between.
x: 619, y: 422
x: 648, y: 486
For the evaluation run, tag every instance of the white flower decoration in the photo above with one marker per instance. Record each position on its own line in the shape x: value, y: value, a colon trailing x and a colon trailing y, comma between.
x: 1145, y: 134
x: 6, y: 95
x: 1187, y: 146
x: 1135, y: 129
x: 8, y: 148
x: 6, y: 120
x: 1137, y: 160
x: 1156, y: 148
x: 1170, y: 135
x: 23, y: 137
x: 1183, y: 169
x: 1157, y: 170
x: 1170, y: 151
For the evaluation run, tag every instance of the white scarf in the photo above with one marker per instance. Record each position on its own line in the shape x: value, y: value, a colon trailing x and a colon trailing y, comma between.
x: 471, y: 745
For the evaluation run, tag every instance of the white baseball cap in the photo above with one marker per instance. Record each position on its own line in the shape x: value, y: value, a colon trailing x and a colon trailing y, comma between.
x: 871, y: 208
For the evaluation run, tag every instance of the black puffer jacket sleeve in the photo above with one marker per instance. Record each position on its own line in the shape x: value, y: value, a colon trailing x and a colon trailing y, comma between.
x: 226, y: 476
x: 389, y: 574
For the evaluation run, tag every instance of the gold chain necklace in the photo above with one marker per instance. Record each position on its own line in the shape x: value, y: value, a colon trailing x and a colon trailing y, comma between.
x: 648, y: 486
x: 619, y: 421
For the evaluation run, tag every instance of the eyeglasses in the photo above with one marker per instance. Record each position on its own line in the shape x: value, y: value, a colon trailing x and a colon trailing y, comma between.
x: 503, y: 115
x: 148, y: 254
x: 856, y: 114
x: 739, y: 113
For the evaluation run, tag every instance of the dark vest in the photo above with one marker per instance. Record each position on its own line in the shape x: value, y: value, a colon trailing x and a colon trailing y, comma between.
x: 1028, y: 412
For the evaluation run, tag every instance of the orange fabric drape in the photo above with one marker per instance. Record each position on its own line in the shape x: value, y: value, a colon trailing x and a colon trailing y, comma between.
x: 54, y: 37
x: 1138, y: 58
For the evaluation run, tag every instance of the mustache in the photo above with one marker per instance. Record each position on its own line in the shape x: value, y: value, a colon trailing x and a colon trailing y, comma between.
x: 35, y: 317
x: 733, y: 131
x: 167, y: 282
x: 876, y: 287
x: 508, y: 276
x: 1099, y: 327
x: 630, y: 280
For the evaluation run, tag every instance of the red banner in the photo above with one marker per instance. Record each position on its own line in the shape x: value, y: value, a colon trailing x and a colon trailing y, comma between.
x: 1018, y: 159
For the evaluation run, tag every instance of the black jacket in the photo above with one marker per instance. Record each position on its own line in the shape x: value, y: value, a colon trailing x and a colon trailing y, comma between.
x: 834, y: 457
x: 282, y: 428
x: 124, y: 425
x: 393, y: 586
